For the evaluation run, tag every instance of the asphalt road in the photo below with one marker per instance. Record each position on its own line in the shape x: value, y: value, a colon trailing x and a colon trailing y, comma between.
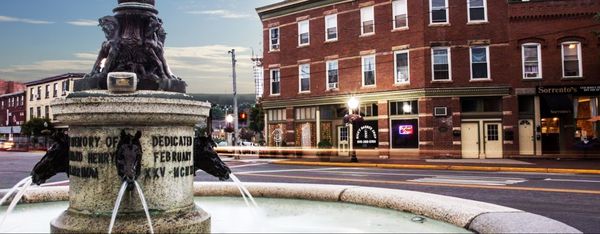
x: 572, y: 199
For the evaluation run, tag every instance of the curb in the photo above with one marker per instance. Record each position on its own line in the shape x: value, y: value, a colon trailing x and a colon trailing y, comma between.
x: 443, y: 167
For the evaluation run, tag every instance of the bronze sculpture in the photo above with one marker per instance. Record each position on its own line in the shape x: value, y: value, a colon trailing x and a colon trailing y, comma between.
x: 135, y: 40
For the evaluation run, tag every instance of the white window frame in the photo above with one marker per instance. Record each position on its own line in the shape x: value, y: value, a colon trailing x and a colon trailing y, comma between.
x: 449, y: 63
x: 539, y: 61
x: 407, y: 52
x: 362, y: 19
x: 579, y: 58
x: 487, y: 61
x: 363, y: 58
x: 300, y: 23
x: 431, y: 13
x: 334, y: 17
x: 271, y: 81
x: 485, y: 15
x: 395, y: 13
x: 278, y: 39
x: 300, y: 78
x: 327, y: 74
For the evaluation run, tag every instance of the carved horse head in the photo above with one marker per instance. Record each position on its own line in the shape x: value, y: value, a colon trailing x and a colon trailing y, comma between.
x: 205, y: 156
x: 129, y: 156
x: 56, y: 160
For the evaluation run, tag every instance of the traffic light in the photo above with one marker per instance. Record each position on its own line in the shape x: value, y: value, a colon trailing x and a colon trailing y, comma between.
x: 243, y: 118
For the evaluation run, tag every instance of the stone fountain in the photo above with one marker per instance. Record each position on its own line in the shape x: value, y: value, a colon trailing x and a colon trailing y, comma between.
x: 131, y: 90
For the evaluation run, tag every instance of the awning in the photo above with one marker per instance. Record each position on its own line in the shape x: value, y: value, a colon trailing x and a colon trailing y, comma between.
x: 553, y: 105
x: 10, y: 129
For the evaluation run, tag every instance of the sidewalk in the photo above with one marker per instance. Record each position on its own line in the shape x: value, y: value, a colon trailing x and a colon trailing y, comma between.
x: 564, y: 166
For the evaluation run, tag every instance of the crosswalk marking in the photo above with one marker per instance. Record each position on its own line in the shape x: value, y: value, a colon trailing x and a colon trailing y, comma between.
x: 497, y: 181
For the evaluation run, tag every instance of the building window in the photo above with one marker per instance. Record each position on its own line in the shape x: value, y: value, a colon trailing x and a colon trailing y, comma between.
x: 368, y: 70
x: 332, y: 74
x: 274, y: 39
x: 368, y: 109
x: 47, y: 91
x: 31, y: 113
x: 55, y: 90
x: 480, y: 66
x: 532, y: 61
x: 399, y: 11
x: 47, y: 111
x: 477, y: 10
x: 404, y: 133
x: 404, y: 108
x: 439, y: 11
x: 402, y: 67
x: 39, y: 112
x: 276, y: 115
x: 571, y: 58
x: 303, y: 33
x: 304, y: 76
x: 31, y: 94
x: 441, y: 64
x: 331, y: 33
x: 481, y: 104
x: 65, y: 85
x: 39, y: 93
x: 367, y: 20
x: 306, y: 113
x: 275, y: 76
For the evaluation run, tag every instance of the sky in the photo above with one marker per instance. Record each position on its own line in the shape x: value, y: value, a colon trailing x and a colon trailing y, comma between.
x: 44, y: 38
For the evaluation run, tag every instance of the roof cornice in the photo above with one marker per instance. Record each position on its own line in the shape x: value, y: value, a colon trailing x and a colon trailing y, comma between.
x: 293, y: 6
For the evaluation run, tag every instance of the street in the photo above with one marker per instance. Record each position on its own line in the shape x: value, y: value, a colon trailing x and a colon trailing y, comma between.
x: 572, y: 199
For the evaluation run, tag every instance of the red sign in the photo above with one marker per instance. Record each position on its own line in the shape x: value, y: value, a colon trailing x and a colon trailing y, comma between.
x: 405, y: 129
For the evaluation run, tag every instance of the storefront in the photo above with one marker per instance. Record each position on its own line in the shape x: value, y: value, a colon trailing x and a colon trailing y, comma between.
x: 568, y: 118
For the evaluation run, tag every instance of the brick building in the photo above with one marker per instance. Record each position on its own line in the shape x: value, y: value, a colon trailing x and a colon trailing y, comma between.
x: 435, y: 78
x: 7, y: 87
x: 12, y: 114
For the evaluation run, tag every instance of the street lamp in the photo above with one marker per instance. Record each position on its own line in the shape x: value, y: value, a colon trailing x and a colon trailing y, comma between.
x: 352, y: 105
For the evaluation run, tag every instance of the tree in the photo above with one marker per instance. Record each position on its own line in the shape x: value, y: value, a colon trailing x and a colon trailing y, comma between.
x: 257, y: 118
x: 35, y: 127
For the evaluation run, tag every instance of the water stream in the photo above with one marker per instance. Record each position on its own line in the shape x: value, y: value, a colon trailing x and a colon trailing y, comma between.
x: 243, y: 190
x: 26, y: 183
x: 117, y: 204
x: 145, y: 205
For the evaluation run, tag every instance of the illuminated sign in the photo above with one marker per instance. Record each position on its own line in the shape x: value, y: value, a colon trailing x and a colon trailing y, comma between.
x: 405, y: 130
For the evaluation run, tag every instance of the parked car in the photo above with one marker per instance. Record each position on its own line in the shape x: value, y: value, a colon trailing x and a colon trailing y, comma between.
x: 6, y: 145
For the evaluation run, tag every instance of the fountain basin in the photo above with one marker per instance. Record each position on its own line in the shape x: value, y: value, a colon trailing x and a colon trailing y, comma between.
x: 475, y: 216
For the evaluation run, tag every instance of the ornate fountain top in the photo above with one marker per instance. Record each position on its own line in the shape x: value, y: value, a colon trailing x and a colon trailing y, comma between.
x: 147, y: 5
x: 135, y: 41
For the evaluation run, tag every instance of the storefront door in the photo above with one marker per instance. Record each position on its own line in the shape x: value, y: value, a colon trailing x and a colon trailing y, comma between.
x: 343, y: 146
x: 492, y: 139
x: 481, y: 139
x: 470, y: 140
x: 526, y: 137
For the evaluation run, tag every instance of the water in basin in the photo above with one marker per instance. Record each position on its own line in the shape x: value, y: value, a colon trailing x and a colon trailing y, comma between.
x: 230, y: 214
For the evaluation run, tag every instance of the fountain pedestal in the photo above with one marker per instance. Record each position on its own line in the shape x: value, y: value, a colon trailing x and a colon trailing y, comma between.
x: 166, y: 121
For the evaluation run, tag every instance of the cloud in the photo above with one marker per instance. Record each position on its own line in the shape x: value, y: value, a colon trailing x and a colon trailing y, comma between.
x: 206, y: 69
x: 83, y: 22
x: 23, y: 20
x: 226, y: 14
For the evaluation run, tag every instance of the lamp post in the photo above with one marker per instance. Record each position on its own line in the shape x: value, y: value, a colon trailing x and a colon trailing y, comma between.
x: 352, y: 104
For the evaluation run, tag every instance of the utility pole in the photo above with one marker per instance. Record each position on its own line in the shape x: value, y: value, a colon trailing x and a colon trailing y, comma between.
x: 235, y: 106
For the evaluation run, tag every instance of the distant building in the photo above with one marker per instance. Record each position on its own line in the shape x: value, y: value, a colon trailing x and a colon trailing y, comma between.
x: 7, y: 87
x: 258, y: 74
x: 12, y: 114
x: 41, y: 93
x: 449, y: 79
